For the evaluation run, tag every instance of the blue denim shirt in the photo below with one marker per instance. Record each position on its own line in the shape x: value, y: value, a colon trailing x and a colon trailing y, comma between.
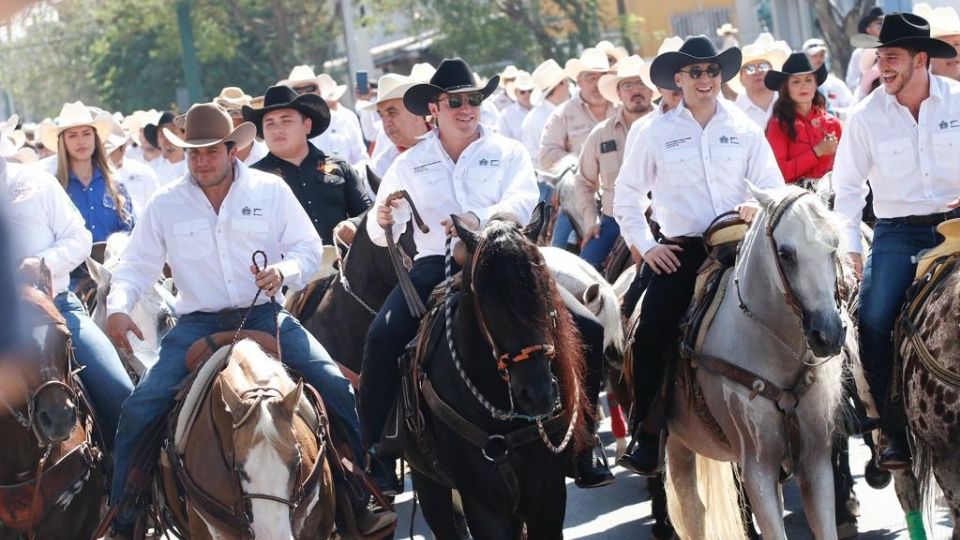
x: 97, y: 206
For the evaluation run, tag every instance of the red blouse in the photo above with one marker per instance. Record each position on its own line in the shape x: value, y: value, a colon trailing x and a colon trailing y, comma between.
x: 796, y: 157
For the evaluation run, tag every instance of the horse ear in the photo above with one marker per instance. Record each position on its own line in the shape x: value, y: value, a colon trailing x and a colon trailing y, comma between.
x: 231, y: 399
x: 468, y: 237
x: 291, y: 401
x: 538, y: 220
x: 99, y: 273
x: 765, y: 198
x: 373, y: 179
x: 592, y: 299
x: 45, y: 280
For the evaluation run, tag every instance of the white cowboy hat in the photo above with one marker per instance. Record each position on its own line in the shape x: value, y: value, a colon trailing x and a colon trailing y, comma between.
x: 7, y: 145
x: 725, y: 29
x: 944, y: 21
x: 814, y: 45
x: 75, y: 115
x: 764, y: 48
x: 232, y: 99
x: 591, y: 59
x: 390, y: 86
x: 523, y: 81
x: 670, y: 44
x: 422, y: 72
x: 548, y: 75
x: 510, y: 72
x: 611, y: 50
x: 299, y: 75
x: 629, y: 67
x: 118, y: 137
x: 329, y: 89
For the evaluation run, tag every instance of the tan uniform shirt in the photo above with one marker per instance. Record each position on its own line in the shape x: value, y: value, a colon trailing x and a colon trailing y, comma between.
x: 600, y: 162
x: 566, y: 129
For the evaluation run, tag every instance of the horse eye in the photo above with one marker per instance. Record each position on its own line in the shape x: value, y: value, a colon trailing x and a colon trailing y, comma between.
x: 787, y: 253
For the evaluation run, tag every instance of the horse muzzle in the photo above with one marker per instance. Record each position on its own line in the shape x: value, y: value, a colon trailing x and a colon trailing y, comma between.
x: 534, y: 394
x: 825, y: 332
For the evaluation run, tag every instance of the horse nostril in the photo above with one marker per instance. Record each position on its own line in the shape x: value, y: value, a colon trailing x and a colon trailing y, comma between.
x: 45, y: 420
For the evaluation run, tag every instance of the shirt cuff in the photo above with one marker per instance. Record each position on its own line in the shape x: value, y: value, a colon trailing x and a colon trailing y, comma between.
x: 854, y: 238
x: 290, y: 270
x: 119, y: 300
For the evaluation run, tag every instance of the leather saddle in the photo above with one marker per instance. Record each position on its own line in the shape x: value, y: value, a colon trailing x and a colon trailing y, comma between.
x: 950, y: 230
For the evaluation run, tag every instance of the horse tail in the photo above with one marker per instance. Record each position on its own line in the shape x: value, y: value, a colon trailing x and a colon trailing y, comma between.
x: 717, y: 490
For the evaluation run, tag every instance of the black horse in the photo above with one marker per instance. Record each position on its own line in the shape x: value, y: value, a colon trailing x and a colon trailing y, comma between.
x: 517, y: 346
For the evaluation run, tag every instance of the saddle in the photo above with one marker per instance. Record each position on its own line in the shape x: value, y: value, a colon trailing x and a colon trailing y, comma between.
x: 950, y: 230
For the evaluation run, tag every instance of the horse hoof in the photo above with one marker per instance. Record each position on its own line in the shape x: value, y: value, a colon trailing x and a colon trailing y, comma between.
x: 847, y: 530
x: 876, y: 477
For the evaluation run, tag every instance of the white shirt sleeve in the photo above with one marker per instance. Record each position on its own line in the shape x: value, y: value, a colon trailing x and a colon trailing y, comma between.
x: 391, y: 182
x: 301, y: 245
x: 141, y: 263
x: 519, y: 195
x: 762, y: 168
x: 630, y: 200
x: 72, y: 240
x: 851, y: 168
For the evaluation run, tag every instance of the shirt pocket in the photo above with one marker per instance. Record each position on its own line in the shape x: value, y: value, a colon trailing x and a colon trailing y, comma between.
x: 946, y: 149
x: 682, y: 165
x: 483, y: 185
x: 193, y: 239
x: 431, y: 190
x: 250, y: 229
x: 895, y: 158
x: 609, y: 166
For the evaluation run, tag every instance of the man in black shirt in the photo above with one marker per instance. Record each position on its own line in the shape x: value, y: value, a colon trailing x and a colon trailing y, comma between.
x: 328, y: 188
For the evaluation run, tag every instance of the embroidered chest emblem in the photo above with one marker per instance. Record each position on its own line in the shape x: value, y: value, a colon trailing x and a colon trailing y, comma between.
x: 327, y: 167
x: 729, y: 140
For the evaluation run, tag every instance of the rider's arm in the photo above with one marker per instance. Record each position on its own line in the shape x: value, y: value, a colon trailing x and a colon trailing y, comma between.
x: 851, y: 168
x: 630, y: 200
x: 141, y: 263
x: 518, y: 193
x: 391, y: 182
x: 586, y: 183
x: 553, y: 140
x: 299, y: 242
x: 72, y: 240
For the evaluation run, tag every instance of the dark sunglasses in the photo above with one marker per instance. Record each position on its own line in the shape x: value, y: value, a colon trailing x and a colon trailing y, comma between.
x: 309, y: 89
x: 696, y: 72
x: 455, y: 101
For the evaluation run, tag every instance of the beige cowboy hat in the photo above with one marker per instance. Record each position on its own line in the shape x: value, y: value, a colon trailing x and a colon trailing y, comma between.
x: 763, y: 48
x: 629, y: 67
x: 509, y: 73
x: 523, y: 81
x: 208, y: 124
x: 726, y: 29
x: 299, y: 75
x: 390, y: 86
x: 422, y: 72
x: 944, y: 21
x: 329, y: 89
x: 118, y: 137
x: 612, y: 51
x: 7, y: 145
x: 548, y: 75
x: 591, y: 59
x: 74, y: 115
x: 232, y: 100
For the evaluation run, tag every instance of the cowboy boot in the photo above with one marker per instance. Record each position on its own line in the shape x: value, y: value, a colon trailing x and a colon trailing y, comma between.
x: 383, y: 471
x: 591, y: 469
x: 645, y: 454
x: 896, y: 453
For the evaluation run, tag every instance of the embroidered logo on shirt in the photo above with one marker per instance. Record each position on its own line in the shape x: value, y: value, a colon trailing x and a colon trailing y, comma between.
x: 729, y: 140
x: 676, y: 142
x: 245, y: 211
x: 421, y: 168
x: 952, y: 124
x: 489, y: 162
x: 326, y: 167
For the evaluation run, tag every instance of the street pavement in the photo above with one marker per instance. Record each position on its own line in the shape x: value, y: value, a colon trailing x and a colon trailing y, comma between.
x: 622, y: 510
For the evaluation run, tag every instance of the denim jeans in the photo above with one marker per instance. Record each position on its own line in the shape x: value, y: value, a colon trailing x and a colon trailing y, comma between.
x: 104, y: 378
x: 563, y: 231
x: 153, y: 397
x: 887, y: 275
x: 597, y: 249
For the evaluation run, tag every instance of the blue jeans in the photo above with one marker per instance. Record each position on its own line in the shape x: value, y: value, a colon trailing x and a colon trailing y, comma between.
x: 153, y: 397
x: 887, y: 275
x: 563, y: 231
x: 597, y: 249
x: 104, y: 378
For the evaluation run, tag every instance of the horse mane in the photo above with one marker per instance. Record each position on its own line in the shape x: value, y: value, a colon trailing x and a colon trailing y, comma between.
x: 41, y: 304
x: 512, y: 271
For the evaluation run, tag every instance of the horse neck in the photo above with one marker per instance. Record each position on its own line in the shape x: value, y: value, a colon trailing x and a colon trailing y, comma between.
x: 368, y: 268
x: 477, y: 359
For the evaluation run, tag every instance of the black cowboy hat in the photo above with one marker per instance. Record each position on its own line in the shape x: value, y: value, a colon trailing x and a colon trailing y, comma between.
x: 908, y: 31
x: 875, y: 14
x: 283, y: 97
x: 453, y: 76
x: 796, y: 64
x: 150, y: 130
x: 695, y: 50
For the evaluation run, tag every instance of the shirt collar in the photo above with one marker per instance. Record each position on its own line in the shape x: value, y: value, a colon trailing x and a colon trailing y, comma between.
x: 97, y: 176
x: 890, y: 100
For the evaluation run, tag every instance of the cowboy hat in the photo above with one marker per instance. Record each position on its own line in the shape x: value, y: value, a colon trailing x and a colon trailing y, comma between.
x: 629, y: 67
x: 612, y: 51
x: 695, y: 50
x: 875, y: 14
x: 905, y: 30
x: 7, y: 145
x: 591, y: 59
x: 232, y: 100
x: 151, y: 130
x: 118, y: 137
x: 390, y: 86
x: 670, y: 44
x: 283, y: 97
x: 299, y: 75
x: 422, y: 72
x: 453, y: 76
x: 944, y: 21
x: 548, y: 75
x: 207, y: 125
x: 329, y: 89
x: 813, y: 46
x: 764, y: 48
x: 523, y: 81
x: 509, y: 73
x: 75, y: 115
x: 726, y: 29
x: 797, y: 64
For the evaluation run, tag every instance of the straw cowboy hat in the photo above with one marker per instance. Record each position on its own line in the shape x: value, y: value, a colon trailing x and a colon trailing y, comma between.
x: 207, y: 125
x: 944, y: 21
x: 422, y: 72
x: 453, y: 76
x: 283, y: 97
x: 797, y: 64
x: 232, y: 100
x: 905, y: 30
x: 75, y: 115
x: 612, y: 51
x: 523, y: 81
x: 300, y: 75
x: 726, y: 29
x: 629, y: 67
x: 591, y: 59
x: 7, y: 145
x: 695, y: 50
x: 118, y: 137
x: 509, y: 73
x: 764, y: 48
x: 329, y: 89
x: 548, y: 75
x: 390, y: 86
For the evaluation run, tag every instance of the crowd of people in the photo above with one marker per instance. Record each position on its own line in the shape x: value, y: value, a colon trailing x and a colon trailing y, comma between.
x: 657, y: 149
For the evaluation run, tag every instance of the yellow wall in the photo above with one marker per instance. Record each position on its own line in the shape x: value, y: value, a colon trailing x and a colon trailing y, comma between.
x: 652, y: 18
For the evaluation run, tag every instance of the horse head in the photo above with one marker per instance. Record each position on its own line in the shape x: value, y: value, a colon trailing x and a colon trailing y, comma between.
x: 804, y: 249
x: 514, y: 302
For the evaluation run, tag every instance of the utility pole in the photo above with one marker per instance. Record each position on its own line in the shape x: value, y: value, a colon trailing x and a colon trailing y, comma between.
x: 358, y: 46
x: 191, y: 69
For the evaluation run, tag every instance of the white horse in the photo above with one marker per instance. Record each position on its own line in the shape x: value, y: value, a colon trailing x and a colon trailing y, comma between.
x: 781, y: 320
x: 154, y: 313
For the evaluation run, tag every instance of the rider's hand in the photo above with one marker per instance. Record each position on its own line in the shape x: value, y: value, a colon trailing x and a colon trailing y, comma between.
x: 954, y: 204
x: 118, y: 325
x: 385, y: 213
x: 662, y: 258
x: 270, y: 279
x: 826, y: 147
x: 636, y: 256
x: 30, y: 269
x: 592, y: 232
x: 345, y: 231
x: 856, y: 262
x: 468, y: 219
x: 748, y: 210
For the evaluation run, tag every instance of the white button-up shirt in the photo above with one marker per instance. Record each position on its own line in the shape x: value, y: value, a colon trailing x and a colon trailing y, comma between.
x: 140, y: 181
x: 759, y: 116
x: 511, y: 121
x: 913, y: 165
x: 209, y: 252
x: 493, y: 174
x: 694, y: 173
x: 385, y: 157
x: 343, y: 138
x: 167, y: 172
x: 532, y: 128
x: 44, y: 223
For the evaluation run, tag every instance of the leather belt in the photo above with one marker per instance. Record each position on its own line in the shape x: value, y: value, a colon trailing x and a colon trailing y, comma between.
x: 929, y: 220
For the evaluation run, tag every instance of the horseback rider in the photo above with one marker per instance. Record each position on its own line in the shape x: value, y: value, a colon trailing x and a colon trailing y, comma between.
x: 696, y: 160
x: 206, y: 225
x: 460, y: 168
x: 45, y: 227
x: 327, y: 187
x: 402, y: 128
x: 905, y: 139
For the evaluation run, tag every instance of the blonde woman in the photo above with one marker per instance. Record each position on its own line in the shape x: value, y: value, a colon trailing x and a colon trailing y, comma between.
x: 85, y: 171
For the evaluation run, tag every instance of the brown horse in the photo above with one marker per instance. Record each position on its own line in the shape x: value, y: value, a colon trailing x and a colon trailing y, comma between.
x: 51, y: 480
x: 251, y: 455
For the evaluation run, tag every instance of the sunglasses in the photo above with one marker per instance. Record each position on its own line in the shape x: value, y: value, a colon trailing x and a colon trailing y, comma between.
x: 309, y: 89
x: 696, y: 72
x: 753, y: 69
x: 455, y: 101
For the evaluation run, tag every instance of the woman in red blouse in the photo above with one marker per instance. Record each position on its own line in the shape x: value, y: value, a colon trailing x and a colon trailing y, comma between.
x: 801, y: 132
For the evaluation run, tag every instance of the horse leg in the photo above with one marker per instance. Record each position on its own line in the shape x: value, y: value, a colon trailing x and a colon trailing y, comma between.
x: 488, y: 522
x: 815, y: 477
x: 847, y: 508
x: 947, y: 473
x: 544, y: 514
x: 761, y: 478
x: 662, y: 528
x: 437, y: 503
x: 683, y: 498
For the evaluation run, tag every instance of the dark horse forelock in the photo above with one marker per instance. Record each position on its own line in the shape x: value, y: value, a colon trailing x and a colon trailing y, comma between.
x: 512, y: 274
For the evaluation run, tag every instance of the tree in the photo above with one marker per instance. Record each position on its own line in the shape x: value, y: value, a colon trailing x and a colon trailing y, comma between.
x: 837, y: 28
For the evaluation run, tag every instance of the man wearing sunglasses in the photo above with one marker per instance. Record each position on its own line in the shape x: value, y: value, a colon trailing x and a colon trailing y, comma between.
x: 754, y: 98
x: 696, y: 162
